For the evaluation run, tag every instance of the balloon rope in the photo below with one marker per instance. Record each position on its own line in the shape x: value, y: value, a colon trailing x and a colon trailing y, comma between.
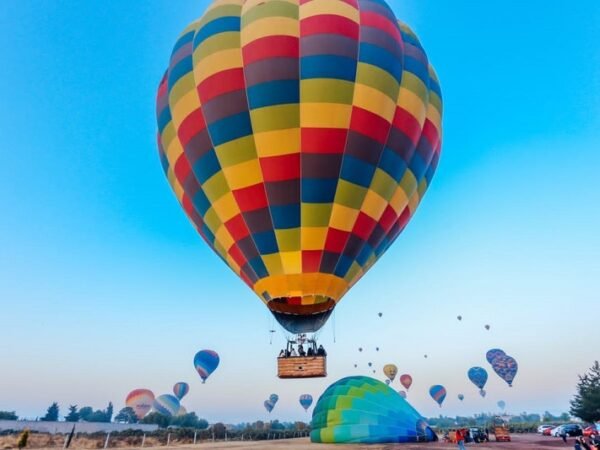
x: 333, y: 323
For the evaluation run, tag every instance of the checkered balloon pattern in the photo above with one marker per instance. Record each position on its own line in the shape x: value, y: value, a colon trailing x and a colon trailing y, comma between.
x: 299, y: 137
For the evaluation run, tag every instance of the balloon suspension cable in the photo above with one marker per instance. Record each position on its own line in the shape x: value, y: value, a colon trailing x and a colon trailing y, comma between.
x: 271, y: 330
x: 333, y: 325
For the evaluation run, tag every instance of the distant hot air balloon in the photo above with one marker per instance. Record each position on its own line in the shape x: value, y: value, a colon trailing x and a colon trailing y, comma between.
x: 501, y: 404
x: 487, y: 327
x: 166, y: 404
x: 205, y: 362
x: 297, y: 171
x: 140, y: 400
x: 390, y: 371
x: 370, y: 364
x: 438, y: 393
x: 478, y: 376
x: 182, y: 411
x: 482, y: 392
x: 269, y: 405
x: 402, y: 394
x: 306, y: 400
x: 425, y: 356
x: 387, y: 382
x: 491, y: 354
x: 274, y: 398
x: 374, y: 371
x: 360, y: 349
x: 380, y: 314
x: 355, y: 366
x: 459, y: 317
x: 506, y: 367
x: 406, y: 381
x: 181, y: 389
x: 461, y: 397
x: 376, y: 349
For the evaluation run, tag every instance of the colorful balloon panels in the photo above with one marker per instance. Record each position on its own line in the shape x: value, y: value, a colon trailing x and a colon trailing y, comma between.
x: 299, y: 138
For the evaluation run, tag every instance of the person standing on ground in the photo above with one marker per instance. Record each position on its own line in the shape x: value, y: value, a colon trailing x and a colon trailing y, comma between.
x: 460, y: 439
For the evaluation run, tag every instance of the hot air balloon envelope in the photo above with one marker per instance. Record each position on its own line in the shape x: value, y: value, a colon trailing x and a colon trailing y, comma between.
x: 205, y: 362
x: 362, y: 410
x: 491, y: 354
x: 461, y: 397
x: 274, y: 398
x: 269, y: 405
x: 406, y: 381
x: 306, y: 400
x: 501, y: 404
x: 438, y: 393
x: 140, y: 400
x: 390, y: 371
x: 166, y: 404
x: 181, y: 389
x: 506, y: 367
x: 299, y: 138
x: 478, y: 376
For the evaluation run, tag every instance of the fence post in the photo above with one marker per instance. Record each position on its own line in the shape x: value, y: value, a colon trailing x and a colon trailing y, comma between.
x: 106, y: 441
x: 195, y: 434
x: 168, y: 439
x: 143, y: 440
x: 225, y: 435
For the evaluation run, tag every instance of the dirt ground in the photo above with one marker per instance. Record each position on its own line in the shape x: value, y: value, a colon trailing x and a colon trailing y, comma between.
x: 521, y: 442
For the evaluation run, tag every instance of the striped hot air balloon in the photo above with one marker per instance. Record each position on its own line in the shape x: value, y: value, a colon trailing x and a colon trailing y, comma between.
x: 438, y: 393
x: 140, y: 400
x: 299, y: 138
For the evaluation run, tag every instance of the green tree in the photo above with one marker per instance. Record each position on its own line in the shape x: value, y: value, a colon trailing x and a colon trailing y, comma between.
x: 126, y: 415
x: 85, y: 413
x: 156, y: 418
x: 586, y: 403
x: 73, y: 415
x: 219, y: 430
x: 8, y: 415
x: 109, y: 412
x: 22, y: 442
x: 51, y: 413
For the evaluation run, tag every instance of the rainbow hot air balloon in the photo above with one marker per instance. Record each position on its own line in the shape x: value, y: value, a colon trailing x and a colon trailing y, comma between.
x: 491, y: 354
x: 390, y: 371
x: 478, y: 376
x: 406, y: 381
x: 461, y: 397
x: 269, y: 405
x: 299, y: 138
x: 306, y: 400
x: 205, y: 362
x: 181, y: 389
x: 140, y: 400
x: 274, y: 398
x: 167, y: 405
x: 438, y: 393
x: 506, y: 367
x: 502, y: 404
x: 361, y: 410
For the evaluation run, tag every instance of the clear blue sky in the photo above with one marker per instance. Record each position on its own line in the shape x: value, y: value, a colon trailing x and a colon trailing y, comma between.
x: 105, y: 286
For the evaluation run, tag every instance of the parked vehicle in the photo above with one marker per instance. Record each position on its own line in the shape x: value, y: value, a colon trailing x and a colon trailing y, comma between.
x: 570, y: 429
x: 542, y: 428
x: 557, y: 431
x: 548, y: 431
x: 477, y: 435
x: 592, y: 429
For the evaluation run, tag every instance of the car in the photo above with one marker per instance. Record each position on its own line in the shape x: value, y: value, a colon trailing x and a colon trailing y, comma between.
x: 542, y: 428
x: 477, y: 435
x: 570, y: 429
x: 592, y: 429
x: 556, y: 431
x: 548, y: 431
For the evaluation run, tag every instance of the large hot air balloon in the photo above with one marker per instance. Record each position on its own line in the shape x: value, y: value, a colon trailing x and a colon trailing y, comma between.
x: 406, y: 381
x: 205, y: 362
x: 438, y: 393
x: 181, y: 389
x: 269, y: 405
x: 361, y: 410
x: 299, y: 138
x: 140, y: 400
x: 501, y: 404
x: 306, y: 400
x: 491, y: 354
x: 274, y: 398
x: 506, y: 367
x: 478, y: 376
x: 166, y: 404
x: 461, y: 397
